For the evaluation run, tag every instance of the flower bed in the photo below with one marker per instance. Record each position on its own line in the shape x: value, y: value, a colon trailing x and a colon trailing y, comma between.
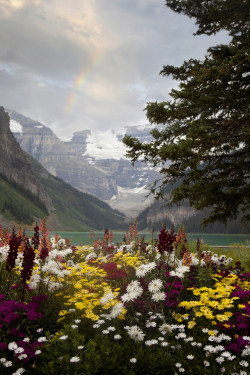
x: 151, y: 308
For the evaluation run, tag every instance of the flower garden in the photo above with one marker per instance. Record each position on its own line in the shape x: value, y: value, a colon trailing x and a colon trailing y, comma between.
x: 163, y: 307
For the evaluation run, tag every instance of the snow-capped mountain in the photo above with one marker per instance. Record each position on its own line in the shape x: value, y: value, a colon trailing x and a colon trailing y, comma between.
x: 92, y: 161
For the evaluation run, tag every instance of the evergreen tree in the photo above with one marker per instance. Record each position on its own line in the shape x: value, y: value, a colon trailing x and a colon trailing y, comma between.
x: 207, y: 135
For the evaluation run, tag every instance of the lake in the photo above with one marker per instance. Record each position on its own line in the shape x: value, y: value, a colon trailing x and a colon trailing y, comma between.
x: 83, y: 238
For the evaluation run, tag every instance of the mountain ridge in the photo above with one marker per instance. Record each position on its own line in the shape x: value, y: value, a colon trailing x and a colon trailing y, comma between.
x: 90, y: 167
x: 30, y: 192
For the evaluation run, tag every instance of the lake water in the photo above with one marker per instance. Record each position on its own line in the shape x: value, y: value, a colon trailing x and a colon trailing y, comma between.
x: 83, y: 238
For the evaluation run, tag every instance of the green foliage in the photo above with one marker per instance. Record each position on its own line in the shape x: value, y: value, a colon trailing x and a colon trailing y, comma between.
x: 239, y: 253
x: 19, y: 204
x: 206, y: 138
x: 215, y: 15
x: 102, y: 355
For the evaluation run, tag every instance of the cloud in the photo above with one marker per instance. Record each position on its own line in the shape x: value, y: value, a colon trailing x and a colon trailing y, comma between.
x: 95, y: 64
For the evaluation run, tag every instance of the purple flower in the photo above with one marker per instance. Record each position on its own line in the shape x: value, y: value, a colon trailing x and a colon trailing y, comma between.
x: 3, y: 346
x: 17, y: 332
x: 14, y: 286
x: 40, y: 298
x: 172, y: 290
x: 33, y: 315
x: 238, y: 345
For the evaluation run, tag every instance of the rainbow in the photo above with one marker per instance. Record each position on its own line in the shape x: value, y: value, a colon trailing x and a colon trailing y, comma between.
x: 78, y: 84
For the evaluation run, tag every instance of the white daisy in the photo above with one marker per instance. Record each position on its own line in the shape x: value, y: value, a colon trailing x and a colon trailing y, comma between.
x: 135, y: 287
x: 135, y: 333
x: 105, y: 331
x: 164, y: 343
x: 19, y: 350
x: 9, y: 363
x: 117, y: 310
x: 112, y: 329
x: 220, y: 359
x: 158, y: 296
x: 19, y: 371
x: 106, y: 298
x: 12, y: 345
x: 74, y: 359
x: 165, y: 328
x: 243, y: 363
x: 22, y: 356
x: 42, y: 339
x: 155, y: 285
x: 151, y: 342
x: 63, y: 337
x: 133, y: 360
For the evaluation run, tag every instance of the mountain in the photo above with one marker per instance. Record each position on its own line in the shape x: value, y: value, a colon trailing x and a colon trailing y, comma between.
x: 61, y: 160
x: 92, y: 161
x: 15, y: 167
x: 156, y: 214
x: 28, y: 192
x: 75, y: 210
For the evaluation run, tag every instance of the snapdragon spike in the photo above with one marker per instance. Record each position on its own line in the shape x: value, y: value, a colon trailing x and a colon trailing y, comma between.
x: 14, y: 243
x: 44, y: 252
x: 35, y: 239
x: 28, y: 261
x: 131, y: 235
x: 166, y: 240
x: 45, y: 245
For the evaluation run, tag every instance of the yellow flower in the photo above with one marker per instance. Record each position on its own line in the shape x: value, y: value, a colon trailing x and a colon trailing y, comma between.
x: 191, y: 324
x: 177, y: 317
x: 63, y: 312
x: 221, y: 318
x: 198, y: 314
x: 240, y: 306
x: 212, y: 333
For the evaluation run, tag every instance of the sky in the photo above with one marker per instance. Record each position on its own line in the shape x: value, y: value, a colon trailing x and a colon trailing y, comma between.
x: 91, y: 64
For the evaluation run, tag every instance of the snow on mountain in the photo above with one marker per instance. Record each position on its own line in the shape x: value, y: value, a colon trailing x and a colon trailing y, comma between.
x: 15, y: 127
x: 103, y: 145
x: 92, y: 161
x: 131, y: 201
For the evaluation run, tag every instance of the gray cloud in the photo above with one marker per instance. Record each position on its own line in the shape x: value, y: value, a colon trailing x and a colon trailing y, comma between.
x: 94, y: 64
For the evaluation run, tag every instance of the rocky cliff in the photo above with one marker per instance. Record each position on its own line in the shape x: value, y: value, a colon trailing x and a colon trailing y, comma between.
x: 14, y: 164
x: 96, y: 166
x: 61, y: 159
